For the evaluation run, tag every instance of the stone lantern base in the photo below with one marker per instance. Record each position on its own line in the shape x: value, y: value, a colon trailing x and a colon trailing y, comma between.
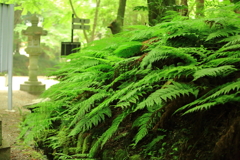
x: 33, y: 87
x: 5, y: 151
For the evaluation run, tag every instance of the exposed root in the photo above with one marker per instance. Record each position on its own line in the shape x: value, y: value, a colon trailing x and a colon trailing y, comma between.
x: 228, y: 146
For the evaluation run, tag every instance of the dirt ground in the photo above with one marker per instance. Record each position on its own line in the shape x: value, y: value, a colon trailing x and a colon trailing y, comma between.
x: 11, y: 120
x: 11, y: 126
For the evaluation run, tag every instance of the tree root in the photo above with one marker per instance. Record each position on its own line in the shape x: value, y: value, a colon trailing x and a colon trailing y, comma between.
x: 228, y: 146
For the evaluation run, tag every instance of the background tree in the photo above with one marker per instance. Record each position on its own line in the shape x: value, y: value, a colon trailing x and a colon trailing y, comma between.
x: 116, y: 25
x: 184, y: 10
x: 157, y: 9
x: 17, y: 40
x: 199, y: 8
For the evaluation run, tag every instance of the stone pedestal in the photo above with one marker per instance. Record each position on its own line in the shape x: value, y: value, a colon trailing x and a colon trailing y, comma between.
x: 33, y: 88
x: 5, y: 150
x: 34, y: 50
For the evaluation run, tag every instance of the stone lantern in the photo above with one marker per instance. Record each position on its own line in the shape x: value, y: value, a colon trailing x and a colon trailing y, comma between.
x: 34, y: 50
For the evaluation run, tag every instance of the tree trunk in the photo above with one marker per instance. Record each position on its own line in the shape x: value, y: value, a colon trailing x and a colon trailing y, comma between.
x: 199, y: 8
x: 95, y: 19
x: 184, y: 11
x: 17, y: 41
x: 157, y: 9
x: 116, y: 25
x: 234, y: 1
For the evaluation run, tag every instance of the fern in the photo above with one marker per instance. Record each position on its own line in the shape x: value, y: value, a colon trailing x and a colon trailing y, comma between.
x: 220, y: 100
x: 88, y: 122
x: 131, y: 97
x: 231, y: 40
x: 154, y: 141
x: 165, y: 52
x: 83, y: 107
x: 232, y: 86
x: 231, y: 47
x: 144, y: 122
x: 217, y: 96
x: 109, y: 80
x: 108, y: 133
x: 214, y: 72
x: 220, y: 33
x: 223, y: 61
x: 170, y: 92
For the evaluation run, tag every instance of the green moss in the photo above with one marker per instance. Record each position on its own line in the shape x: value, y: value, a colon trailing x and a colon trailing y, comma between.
x: 135, y: 157
x: 128, y: 49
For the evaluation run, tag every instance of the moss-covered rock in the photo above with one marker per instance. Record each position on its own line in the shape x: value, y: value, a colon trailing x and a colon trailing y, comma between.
x: 135, y: 157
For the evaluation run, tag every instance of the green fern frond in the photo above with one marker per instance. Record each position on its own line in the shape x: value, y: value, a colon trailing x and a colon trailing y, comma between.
x: 223, y: 61
x: 219, y: 100
x: 171, y: 72
x: 84, y: 107
x: 169, y: 92
x: 231, y: 86
x: 115, y: 97
x: 229, y: 48
x: 215, y: 96
x: 154, y: 141
x: 42, y: 115
x: 165, y: 52
x: 132, y: 97
x: 201, y: 99
x: 231, y: 40
x: 141, y: 35
x: 183, y: 34
x: 201, y: 107
x: 220, y: 54
x: 152, y: 77
x: 125, y: 75
x: 144, y: 122
x: 89, y: 121
x: 218, y: 34
x: 103, y: 46
x: 177, y: 72
x: 214, y: 72
x: 108, y: 133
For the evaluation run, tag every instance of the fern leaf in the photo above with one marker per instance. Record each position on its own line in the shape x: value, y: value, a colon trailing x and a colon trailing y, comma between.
x: 88, y: 122
x: 105, y: 104
x: 165, y: 52
x: 214, y: 72
x: 154, y: 141
x: 131, y: 98
x: 217, y: 34
x: 169, y: 92
x: 144, y: 122
x: 232, y: 86
x: 84, y: 106
x: 231, y: 40
x: 231, y: 47
x: 219, y: 100
x: 205, y: 98
x: 201, y: 107
x: 223, y: 61
x: 108, y: 133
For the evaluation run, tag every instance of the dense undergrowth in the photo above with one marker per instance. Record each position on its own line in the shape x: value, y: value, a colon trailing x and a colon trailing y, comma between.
x: 165, y: 92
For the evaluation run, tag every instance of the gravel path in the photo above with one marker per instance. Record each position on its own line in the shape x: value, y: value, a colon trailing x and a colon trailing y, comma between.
x: 11, y: 120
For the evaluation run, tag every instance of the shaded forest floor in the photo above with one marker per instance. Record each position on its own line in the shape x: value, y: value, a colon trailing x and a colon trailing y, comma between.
x: 11, y: 126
